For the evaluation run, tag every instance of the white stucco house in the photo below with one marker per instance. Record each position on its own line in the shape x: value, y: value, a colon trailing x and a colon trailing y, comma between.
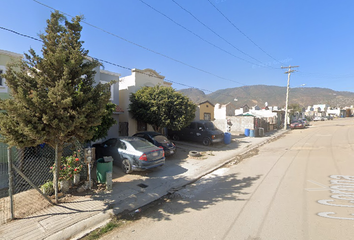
x: 334, y: 112
x: 131, y: 84
x: 103, y: 76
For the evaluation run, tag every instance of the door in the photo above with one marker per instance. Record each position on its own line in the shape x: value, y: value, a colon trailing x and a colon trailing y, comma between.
x: 123, y: 129
x: 193, y: 132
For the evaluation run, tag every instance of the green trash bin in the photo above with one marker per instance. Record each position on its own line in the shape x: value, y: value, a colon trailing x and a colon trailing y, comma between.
x: 103, y: 165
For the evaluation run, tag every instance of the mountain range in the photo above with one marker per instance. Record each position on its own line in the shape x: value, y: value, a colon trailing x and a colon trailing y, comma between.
x: 273, y: 96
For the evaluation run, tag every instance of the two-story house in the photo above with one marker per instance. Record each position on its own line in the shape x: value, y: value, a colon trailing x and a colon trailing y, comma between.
x: 131, y: 84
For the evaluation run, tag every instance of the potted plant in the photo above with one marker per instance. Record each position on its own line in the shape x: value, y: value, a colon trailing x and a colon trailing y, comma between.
x: 69, y: 171
x: 74, y: 161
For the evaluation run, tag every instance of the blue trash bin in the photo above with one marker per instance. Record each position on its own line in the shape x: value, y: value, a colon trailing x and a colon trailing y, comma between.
x: 227, y: 138
x: 247, y: 132
x: 252, y: 133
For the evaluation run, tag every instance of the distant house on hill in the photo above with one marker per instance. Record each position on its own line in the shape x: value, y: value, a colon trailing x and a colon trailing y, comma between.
x: 320, y: 107
x: 242, y: 110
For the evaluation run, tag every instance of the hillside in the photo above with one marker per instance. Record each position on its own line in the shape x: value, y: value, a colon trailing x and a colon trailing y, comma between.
x: 273, y: 95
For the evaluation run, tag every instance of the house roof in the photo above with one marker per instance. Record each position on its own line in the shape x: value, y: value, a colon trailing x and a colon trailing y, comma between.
x: 148, y: 71
x: 206, y: 102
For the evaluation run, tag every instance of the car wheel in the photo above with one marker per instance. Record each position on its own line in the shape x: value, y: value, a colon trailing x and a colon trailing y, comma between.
x: 206, y: 141
x: 175, y: 137
x: 126, y: 166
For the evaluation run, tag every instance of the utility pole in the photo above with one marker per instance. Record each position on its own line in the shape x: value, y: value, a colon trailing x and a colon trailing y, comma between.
x: 287, y: 94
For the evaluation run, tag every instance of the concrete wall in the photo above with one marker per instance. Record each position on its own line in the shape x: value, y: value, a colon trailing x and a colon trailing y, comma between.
x: 239, y: 123
x: 220, y: 111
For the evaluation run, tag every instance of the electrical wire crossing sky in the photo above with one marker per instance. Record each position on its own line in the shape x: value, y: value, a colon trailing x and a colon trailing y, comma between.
x: 204, y: 44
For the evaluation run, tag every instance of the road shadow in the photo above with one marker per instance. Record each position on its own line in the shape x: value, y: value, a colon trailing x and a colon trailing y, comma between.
x: 199, y: 196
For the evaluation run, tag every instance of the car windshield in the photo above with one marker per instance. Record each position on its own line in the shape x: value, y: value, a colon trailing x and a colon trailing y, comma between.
x: 140, y: 144
x: 160, y: 139
x: 209, y: 126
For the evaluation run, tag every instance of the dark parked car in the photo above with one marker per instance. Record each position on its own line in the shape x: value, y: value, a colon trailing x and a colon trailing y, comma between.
x: 297, y: 124
x: 131, y: 153
x: 158, y: 140
x: 198, y: 131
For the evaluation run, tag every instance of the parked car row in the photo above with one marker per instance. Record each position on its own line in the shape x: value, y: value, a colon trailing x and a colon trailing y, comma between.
x: 140, y: 152
x: 145, y: 150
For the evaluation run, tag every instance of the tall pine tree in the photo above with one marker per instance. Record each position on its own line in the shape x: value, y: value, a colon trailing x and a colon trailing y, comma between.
x: 54, y: 97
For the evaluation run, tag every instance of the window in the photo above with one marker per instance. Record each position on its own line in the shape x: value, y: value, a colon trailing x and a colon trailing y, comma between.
x: 121, y: 145
x: 193, y: 125
x: 207, y: 116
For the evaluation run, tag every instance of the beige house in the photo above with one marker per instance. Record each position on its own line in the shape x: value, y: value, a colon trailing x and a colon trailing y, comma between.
x: 205, y: 111
x: 5, y: 58
x: 131, y: 84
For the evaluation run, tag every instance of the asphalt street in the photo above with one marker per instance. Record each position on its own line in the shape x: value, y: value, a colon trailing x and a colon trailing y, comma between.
x: 300, y: 186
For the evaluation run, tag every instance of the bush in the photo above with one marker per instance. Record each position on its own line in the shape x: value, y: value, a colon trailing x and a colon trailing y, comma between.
x: 47, y: 188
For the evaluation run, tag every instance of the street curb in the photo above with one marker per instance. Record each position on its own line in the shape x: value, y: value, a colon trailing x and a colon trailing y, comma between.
x: 84, y: 227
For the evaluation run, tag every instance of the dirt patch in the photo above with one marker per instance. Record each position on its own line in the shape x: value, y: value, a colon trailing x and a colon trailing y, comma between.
x: 29, y: 202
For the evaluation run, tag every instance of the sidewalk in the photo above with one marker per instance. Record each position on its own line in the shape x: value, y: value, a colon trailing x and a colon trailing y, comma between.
x: 75, y: 219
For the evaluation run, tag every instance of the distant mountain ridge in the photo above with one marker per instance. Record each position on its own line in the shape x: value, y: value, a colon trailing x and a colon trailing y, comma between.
x: 273, y: 95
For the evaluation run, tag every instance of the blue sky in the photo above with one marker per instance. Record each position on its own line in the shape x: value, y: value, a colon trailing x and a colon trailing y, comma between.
x: 206, y: 44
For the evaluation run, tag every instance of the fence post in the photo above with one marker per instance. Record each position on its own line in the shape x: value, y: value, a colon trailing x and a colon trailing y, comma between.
x: 11, y: 184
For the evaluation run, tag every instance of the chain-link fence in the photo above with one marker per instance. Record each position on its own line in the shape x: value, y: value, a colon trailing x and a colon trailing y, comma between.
x: 31, y: 169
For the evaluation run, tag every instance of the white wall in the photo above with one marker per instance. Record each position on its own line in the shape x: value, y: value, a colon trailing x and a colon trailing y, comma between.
x: 220, y: 111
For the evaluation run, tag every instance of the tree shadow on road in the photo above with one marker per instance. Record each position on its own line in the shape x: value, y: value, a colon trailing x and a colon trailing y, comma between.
x: 201, y: 195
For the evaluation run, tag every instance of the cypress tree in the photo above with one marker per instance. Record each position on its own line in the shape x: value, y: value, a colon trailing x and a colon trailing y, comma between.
x: 54, y: 96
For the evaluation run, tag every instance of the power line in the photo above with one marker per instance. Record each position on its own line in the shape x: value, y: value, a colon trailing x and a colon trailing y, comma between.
x: 201, y: 38
x: 113, y: 64
x: 243, y: 32
x: 23, y: 35
x: 145, y: 48
x: 215, y: 32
